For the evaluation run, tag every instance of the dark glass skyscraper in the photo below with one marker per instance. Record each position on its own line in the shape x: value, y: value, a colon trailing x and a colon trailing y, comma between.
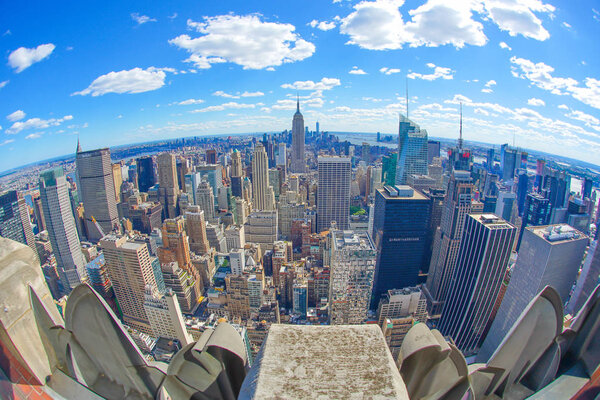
x: 482, y: 261
x: 400, y: 232
x: 536, y: 212
x: 145, y: 172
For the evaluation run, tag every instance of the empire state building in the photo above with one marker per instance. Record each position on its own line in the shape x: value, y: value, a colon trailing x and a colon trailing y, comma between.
x: 298, y: 165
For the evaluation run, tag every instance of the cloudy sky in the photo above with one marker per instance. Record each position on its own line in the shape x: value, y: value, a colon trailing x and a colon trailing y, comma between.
x: 134, y: 71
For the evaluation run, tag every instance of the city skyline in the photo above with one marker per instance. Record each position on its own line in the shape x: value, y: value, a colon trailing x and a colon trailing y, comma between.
x: 62, y: 78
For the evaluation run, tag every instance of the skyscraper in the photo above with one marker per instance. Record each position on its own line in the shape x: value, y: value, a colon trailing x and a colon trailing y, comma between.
x: 457, y: 205
x: 587, y: 281
x: 145, y: 173
x: 164, y: 315
x: 485, y: 249
x: 97, y: 191
x: 536, y: 212
x: 412, y: 150
x: 333, y: 194
x: 60, y: 223
x: 195, y: 227
x: 14, y: 219
x: 168, y: 184
x: 433, y: 150
x: 400, y: 233
x: 205, y: 199
x: 297, y: 164
x: 351, y: 280
x: 130, y: 270
x: 263, y: 196
x: 236, y: 164
x: 549, y: 255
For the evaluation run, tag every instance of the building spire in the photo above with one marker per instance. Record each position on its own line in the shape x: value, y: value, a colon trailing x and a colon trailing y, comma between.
x: 460, y: 139
x: 78, y: 145
x: 297, y: 102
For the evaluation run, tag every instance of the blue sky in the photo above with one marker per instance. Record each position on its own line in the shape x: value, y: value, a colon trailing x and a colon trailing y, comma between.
x: 125, y: 72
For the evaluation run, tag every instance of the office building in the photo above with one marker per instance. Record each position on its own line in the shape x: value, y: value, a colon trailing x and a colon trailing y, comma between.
x: 587, y: 281
x: 281, y: 155
x: 263, y: 195
x: 457, y: 205
x: 164, y: 315
x: 412, y: 151
x: 300, y: 299
x: 145, y: 217
x: 236, y: 164
x: 297, y: 162
x: 550, y: 255
x: 14, y: 219
x: 175, y: 244
x: 183, y: 283
x: 206, y: 200
x: 54, y: 192
x: 401, y: 303
x: 97, y: 191
x: 261, y: 228
x: 168, y: 182
x: 213, y: 174
x: 333, y: 194
x: 146, y: 177
x: 195, y: 227
x: 352, y: 272
x: 433, y: 150
x: 130, y: 269
x: 401, y: 230
x: 98, y: 278
x: 483, y: 257
x: 536, y: 213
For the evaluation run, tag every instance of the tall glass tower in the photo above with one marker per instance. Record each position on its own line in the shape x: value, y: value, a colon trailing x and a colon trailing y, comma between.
x: 412, y: 151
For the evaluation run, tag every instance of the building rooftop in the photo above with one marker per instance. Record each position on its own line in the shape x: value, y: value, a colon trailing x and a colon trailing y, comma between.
x: 352, y: 239
x: 322, y: 362
x: 401, y: 192
x: 559, y: 233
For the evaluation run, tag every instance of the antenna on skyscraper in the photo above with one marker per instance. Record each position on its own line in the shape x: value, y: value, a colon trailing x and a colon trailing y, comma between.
x: 297, y: 102
x: 406, y: 98
x: 460, y: 139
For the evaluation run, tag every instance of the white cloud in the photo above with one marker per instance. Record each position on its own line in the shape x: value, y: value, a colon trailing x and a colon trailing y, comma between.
x: 486, y: 90
x: 505, y: 46
x: 23, y: 58
x: 252, y: 94
x: 289, y: 104
x: 490, y: 83
x: 357, y: 71
x: 379, y: 25
x: 16, y: 116
x: 135, y: 80
x: 518, y: 18
x: 540, y: 75
x: 389, y: 71
x: 323, y: 25
x: 34, y: 135
x: 141, y: 19
x: 172, y: 16
x: 566, y: 25
x: 243, y: 40
x: 7, y: 141
x: 190, y: 102
x: 438, y: 72
x: 588, y: 120
x: 225, y: 106
x: 324, y: 84
x: 563, y: 107
x: 36, y: 123
x: 221, y: 93
x: 3, y: 83
x: 536, y: 102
